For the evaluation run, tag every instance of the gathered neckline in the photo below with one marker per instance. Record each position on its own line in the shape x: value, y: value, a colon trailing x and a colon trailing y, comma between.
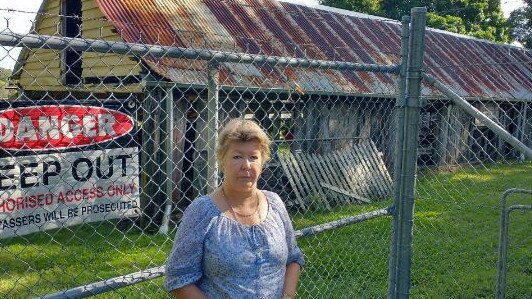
x: 237, y: 222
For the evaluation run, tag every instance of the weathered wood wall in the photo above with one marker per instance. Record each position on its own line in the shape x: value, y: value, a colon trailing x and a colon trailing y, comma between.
x: 96, y: 26
x: 525, y: 123
x: 154, y: 155
x: 450, y: 136
x: 42, y: 68
x: 331, y: 123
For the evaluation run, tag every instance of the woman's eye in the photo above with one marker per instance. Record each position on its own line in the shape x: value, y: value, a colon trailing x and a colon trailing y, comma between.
x: 237, y: 157
x: 254, y: 158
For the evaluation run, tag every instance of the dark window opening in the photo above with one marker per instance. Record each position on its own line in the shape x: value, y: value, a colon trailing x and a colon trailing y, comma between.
x: 187, y: 187
x: 72, y: 28
x: 428, y: 132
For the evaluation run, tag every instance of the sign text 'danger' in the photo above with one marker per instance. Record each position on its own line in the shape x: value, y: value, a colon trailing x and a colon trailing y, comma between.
x: 62, y: 126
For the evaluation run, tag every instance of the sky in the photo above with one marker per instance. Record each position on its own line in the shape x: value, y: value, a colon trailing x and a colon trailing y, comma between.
x: 20, y: 14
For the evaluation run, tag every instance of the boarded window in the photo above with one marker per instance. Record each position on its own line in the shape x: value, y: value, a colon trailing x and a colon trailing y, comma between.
x: 71, y: 27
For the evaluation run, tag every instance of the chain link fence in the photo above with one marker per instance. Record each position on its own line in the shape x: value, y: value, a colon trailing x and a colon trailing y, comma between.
x: 106, y: 142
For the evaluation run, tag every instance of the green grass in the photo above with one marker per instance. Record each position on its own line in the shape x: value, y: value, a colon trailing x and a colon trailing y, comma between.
x: 454, y: 253
x: 43, y: 263
x: 457, y: 233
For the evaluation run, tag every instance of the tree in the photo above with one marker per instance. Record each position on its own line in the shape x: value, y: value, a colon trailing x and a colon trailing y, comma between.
x: 479, y: 18
x: 520, y: 23
x: 371, y: 7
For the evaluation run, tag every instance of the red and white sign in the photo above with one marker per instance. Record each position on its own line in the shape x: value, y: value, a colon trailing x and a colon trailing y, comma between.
x: 58, y: 189
x: 60, y: 127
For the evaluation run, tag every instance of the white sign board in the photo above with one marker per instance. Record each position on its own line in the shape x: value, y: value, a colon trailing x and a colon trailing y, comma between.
x: 48, y: 191
x: 63, y: 164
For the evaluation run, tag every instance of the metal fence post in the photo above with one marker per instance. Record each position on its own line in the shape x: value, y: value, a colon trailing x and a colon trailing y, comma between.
x: 400, y: 118
x: 500, y: 291
x: 153, y: 197
x: 168, y: 163
x: 212, y: 125
x: 409, y: 111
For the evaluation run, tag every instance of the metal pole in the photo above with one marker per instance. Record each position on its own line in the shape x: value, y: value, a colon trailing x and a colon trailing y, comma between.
x: 500, y: 291
x: 169, y: 163
x: 501, y: 132
x: 398, y: 166
x: 212, y: 126
x: 156, y: 51
x: 405, y: 187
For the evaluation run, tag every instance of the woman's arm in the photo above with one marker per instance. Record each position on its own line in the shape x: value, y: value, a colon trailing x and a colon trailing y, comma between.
x: 290, y: 281
x: 188, y: 291
x: 184, y: 264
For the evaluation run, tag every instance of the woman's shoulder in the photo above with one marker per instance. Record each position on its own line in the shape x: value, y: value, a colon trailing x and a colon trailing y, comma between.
x: 271, y: 195
x: 201, y: 207
x: 198, y: 215
x: 274, y: 199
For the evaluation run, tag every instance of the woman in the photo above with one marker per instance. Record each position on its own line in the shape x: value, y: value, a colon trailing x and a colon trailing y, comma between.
x: 238, y: 241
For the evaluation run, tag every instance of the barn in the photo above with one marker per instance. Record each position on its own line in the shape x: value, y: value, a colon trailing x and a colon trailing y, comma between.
x: 323, y: 110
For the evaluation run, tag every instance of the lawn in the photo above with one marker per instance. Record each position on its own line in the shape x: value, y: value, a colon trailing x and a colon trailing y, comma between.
x: 454, y: 253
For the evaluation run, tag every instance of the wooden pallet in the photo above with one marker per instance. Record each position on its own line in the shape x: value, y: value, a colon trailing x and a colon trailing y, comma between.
x: 356, y: 175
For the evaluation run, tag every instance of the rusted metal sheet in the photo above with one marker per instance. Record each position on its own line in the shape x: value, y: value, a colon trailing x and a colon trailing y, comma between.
x: 472, y: 67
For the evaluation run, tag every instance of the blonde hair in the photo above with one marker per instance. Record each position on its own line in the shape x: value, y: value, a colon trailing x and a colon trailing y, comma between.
x: 242, y: 130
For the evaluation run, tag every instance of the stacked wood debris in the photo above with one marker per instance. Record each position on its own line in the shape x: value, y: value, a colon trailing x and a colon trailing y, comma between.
x: 354, y: 175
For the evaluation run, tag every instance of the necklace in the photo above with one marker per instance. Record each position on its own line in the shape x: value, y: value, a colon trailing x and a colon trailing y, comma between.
x: 235, y: 213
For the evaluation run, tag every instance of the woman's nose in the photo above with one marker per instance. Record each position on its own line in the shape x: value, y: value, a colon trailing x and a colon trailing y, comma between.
x: 246, y: 164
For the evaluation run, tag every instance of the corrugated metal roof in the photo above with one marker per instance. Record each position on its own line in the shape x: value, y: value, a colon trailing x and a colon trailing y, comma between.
x: 472, y: 67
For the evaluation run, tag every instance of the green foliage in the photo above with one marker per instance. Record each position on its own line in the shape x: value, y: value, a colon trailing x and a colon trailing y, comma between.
x: 363, y: 6
x: 447, y: 23
x: 520, y: 23
x: 479, y: 18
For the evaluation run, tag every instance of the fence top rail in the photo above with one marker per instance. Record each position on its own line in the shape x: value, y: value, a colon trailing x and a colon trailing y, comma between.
x: 11, y: 39
x: 511, y: 191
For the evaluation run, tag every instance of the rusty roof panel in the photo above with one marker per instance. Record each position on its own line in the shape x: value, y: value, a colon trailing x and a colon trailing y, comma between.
x: 524, y: 68
x: 311, y: 23
x: 471, y: 67
x: 287, y: 47
x: 368, y: 54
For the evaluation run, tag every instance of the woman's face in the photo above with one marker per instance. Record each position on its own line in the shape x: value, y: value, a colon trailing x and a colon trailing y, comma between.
x: 242, y: 165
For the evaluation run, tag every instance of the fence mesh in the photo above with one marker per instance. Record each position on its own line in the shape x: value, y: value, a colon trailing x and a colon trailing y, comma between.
x: 463, y: 169
x: 97, y: 144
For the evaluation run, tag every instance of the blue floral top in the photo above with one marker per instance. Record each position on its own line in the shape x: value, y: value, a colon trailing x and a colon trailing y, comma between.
x: 227, y: 259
